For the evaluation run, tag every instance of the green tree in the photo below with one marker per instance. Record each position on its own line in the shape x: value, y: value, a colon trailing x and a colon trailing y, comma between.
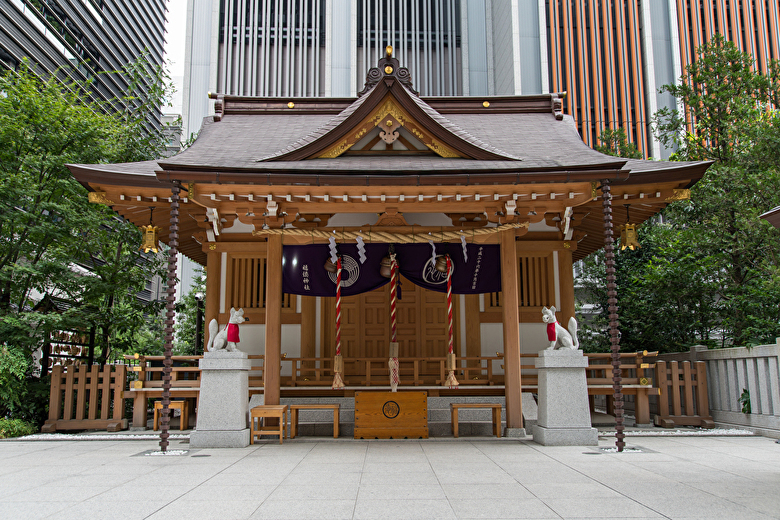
x: 718, y: 255
x: 615, y: 142
x: 186, y: 317
x: 666, y: 302
x: 724, y: 102
x: 51, y: 239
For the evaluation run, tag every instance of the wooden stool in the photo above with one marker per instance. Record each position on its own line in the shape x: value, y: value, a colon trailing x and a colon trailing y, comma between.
x: 174, y: 405
x: 495, y: 407
x: 294, y: 416
x: 261, y: 413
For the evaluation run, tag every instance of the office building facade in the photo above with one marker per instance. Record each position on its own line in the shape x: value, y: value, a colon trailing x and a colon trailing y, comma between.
x: 610, y: 57
x: 80, y: 39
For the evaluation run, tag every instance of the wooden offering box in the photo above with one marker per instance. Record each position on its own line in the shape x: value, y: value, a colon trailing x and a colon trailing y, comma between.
x: 391, y: 415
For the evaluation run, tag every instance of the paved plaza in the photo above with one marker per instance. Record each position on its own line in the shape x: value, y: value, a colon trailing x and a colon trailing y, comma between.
x: 317, y: 478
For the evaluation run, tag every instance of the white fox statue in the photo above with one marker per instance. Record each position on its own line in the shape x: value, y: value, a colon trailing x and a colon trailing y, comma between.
x: 558, y: 336
x: 226, y: 339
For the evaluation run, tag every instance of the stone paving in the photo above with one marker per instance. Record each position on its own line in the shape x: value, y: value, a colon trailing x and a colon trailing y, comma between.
x: 319, y: 478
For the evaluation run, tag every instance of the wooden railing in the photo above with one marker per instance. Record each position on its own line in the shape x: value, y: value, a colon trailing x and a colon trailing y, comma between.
x: 318, y: 372
x: 145, y: 374
x: 314, y: 371
x: 148, y: 370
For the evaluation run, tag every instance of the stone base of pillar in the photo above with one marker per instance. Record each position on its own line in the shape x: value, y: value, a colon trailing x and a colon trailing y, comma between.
x: 515, y: 433
x: 219, y: 439
x: 224, y: 401
x: 566, y: 436
x: 564, y: 412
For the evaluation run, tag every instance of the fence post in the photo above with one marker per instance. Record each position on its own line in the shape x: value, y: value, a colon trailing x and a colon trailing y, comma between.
x: 702, y: 400
x: 663, y: 388
x: 55, y: 400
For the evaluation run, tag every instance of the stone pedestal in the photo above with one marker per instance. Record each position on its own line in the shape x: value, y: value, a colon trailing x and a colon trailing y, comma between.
x: 564, y: 413
x: 223, y: 402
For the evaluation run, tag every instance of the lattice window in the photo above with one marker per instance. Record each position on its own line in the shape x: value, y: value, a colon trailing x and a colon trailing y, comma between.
x: 535, y: 283
x: 246, y: 275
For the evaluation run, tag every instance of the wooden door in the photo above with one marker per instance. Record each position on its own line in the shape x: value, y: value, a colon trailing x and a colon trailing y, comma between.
x: 365, y: 326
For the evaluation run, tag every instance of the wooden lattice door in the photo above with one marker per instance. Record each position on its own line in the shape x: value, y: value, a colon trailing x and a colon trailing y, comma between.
x: 365, y: 326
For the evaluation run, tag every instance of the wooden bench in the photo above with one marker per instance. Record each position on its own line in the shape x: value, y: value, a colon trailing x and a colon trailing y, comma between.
x: 174, y: 405
x: 294, y: 416
x: 260, y: 413
x: 495, y: 407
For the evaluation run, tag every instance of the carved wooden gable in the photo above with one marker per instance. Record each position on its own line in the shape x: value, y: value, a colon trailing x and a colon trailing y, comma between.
x: 389, y: 118
x: 390, y: 129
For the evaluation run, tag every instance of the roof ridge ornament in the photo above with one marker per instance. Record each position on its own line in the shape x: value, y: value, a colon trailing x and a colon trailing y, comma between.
x: 388, y: 67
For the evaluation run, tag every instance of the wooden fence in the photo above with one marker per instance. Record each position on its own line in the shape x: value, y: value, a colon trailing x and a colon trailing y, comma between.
x: 86, y: 397
x: 683, y: 387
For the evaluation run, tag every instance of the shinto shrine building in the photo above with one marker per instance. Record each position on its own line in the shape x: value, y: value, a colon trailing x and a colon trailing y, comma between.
x: 502, y: 185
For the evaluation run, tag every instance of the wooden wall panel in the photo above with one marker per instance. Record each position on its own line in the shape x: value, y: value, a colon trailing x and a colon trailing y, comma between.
x: 409, y: 319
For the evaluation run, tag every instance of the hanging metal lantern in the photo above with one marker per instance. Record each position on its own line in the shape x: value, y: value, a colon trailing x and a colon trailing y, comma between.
x: 441, y: 263
x: 151, y: 237
x: 628, y: 237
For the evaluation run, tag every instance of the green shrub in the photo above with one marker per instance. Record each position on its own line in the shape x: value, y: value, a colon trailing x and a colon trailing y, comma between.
x: 22, y: 396
x: 14, y: 365
x: 10, y: 428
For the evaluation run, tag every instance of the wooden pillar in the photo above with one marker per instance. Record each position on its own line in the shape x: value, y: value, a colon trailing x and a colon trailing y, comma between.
x: 566, y: 284
x: 213, y: 289
x: 273, y: 320
x: 513, y: 386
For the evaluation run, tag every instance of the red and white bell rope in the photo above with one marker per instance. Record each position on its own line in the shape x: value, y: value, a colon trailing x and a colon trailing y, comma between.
x: 451, y: 381
x: 338, y: 362
x: 393, y: 362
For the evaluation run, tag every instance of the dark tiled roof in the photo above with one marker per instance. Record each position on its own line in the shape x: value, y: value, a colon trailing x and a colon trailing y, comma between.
x: 125, y: 174
x: 321, y: 131
x: 773, y: 217
x: 551, y: 150
x: 455, y: 129
x: 236, y: 143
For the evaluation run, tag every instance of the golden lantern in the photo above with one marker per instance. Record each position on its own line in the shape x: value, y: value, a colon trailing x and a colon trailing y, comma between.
x: 628, y: 236
x: 151, y: 236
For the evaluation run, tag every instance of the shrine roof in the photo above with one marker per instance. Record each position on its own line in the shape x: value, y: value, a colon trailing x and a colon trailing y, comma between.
x: 427, y: 141
x: 772, y: 216
x: 387, y: 136
x: 244, y: 142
